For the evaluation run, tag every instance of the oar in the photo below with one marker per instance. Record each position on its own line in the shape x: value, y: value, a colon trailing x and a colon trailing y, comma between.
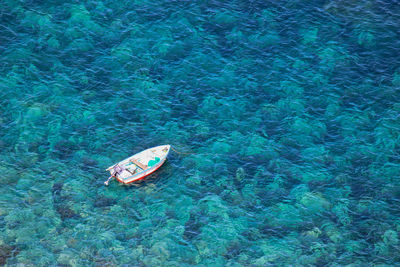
x: 108, y: 180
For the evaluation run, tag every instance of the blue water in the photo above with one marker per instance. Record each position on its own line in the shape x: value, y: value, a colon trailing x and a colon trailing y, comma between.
x: 289, y: 110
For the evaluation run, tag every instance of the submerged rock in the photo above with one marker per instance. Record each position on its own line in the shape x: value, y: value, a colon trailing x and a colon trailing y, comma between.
x: 160, y: 250
x: 271, y: 37
x: 193, y: 226
x: 341, y: 211
x: 310, y: 36
x: 60, y: 203
x: 366, y: 38
x: 313, y: 233
x: 224, y: 18
x: 6, y: 252
x: 391, y: 237
x: 8, y: 175
x: 240, y: 174
x: 333, y: 233
x: 221, y: 147
x: 34, y: 113
x: 257, y: 145
x: 313, y: 203
x: 66, y: 212
x: 284, y: 215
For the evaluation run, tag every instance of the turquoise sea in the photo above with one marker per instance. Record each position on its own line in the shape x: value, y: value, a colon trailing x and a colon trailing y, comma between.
x: 289, y: 112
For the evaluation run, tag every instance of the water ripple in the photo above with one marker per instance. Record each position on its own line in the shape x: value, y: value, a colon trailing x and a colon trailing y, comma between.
x: 289, y: 113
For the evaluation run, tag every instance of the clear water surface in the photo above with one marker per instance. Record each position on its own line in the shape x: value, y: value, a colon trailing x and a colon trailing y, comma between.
x: 290, y: 108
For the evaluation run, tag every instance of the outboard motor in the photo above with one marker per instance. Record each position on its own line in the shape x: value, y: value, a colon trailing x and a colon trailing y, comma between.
x: 116, y: 170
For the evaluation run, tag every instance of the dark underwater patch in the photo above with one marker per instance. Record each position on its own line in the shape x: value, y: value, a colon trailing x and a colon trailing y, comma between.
x: 104, y: 202
x: 6, y: 252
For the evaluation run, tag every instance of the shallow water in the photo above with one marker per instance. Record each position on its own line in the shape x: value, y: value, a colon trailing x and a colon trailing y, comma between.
x: 290, y: 110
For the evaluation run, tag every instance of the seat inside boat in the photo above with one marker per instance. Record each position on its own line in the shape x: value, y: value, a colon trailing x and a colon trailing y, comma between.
x: 138, y: 164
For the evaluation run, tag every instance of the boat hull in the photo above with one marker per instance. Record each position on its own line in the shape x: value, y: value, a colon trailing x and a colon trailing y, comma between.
x: 140, y: 165
x: 140, y: 177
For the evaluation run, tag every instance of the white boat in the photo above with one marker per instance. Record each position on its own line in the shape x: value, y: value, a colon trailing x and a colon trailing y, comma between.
x: 139, y: 165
